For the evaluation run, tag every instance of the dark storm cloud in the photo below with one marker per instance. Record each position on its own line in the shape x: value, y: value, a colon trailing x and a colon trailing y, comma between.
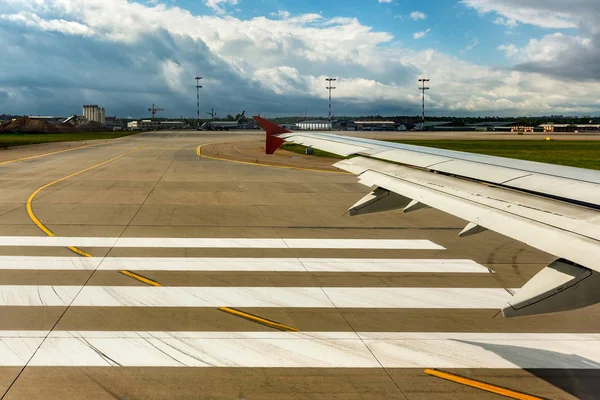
x: 54, y: 73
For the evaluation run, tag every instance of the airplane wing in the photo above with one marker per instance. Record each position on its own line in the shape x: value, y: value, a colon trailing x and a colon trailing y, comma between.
x: 550, y: 207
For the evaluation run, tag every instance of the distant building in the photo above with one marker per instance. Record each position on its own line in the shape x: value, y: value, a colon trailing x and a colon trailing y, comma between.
x: 318, y: 125
x: 521, y: 129
x: 375, y: 125
x: 504, y: 126
x: 172, y: 124
x: 144, y: 125
x: 439, y: 126
x: 551, y: 127
x: 344, y: 125
x: 92, y: 112
x: 113, y: 123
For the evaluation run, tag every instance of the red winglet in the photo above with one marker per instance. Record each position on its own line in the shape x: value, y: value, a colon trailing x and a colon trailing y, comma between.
x: 272, y: 142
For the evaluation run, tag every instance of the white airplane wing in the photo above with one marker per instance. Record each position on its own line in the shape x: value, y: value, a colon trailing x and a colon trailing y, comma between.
x: 550, y: 207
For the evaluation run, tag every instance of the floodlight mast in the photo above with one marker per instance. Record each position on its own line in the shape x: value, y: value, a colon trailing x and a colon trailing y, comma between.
x: 198, y: 87
x: 423, y: 88
x: 329, y: 87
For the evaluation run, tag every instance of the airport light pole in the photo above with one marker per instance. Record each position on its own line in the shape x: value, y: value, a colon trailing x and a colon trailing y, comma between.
x: 198, y: 87
x: 329, y: 87
x: 423, y: 88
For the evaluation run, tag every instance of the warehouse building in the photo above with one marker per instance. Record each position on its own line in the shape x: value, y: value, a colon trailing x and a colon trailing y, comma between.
x: 375, y: 125
x: 501, y: 126
x: 317, y: 125
x: 575, y: 128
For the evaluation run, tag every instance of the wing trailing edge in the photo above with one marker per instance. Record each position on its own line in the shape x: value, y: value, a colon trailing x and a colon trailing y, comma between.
x: 552, y: 208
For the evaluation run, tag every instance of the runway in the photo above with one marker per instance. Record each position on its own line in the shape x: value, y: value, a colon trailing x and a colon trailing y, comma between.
x: 142, y: 268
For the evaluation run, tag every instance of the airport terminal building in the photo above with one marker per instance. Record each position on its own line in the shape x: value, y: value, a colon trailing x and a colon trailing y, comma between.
x: 317, y: 125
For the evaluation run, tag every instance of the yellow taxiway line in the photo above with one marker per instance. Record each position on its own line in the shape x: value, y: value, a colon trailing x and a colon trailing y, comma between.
x: 481, y: 385
x: 259, y: 320
x: 140, y: 278
x: 199, y: 153
x: 48, y: 154
x: 32, y: 196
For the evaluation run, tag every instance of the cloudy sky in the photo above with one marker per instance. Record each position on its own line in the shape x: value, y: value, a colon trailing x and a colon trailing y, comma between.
x: 484, y: 57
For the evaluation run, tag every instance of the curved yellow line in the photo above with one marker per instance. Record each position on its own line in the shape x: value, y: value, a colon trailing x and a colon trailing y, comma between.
x: 199, y: 153
x: 39, y: 224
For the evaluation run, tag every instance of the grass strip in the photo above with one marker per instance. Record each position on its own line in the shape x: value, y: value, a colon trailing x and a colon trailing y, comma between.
x: 574, y: 153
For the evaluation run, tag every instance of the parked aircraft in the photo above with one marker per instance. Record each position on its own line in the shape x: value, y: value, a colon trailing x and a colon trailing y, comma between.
x: 222, y: 125
x: 550, y: 207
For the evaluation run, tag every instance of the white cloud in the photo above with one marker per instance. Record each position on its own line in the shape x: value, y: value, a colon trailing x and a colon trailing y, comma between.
x: 543, y: 13
x: 511, y: 23
x: 218, y: 6
x: 281, y: 14
x: 472, y: 44
x: 420, y: 35
x: 567, y: 56
x: 384, y: 1
x: 417, y: 15
x: 275, y: 65
x: 509, y: 49
x: 56, y: 25
x: 548, y: 49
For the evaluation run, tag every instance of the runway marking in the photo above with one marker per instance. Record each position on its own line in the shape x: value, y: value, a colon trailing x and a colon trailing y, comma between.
x: 64, y: 241
x: 140, y: 278
x: 257, y: 319
x: 252, y: 296
x: 199, y: 153
x: 47, y: 231
x: 48, y: 154
x: 243, y: 264
x: 481, y: 385
x: 267, y: 349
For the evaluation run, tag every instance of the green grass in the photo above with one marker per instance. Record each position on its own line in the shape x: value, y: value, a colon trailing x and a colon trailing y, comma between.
x: 19, y: 139
x: 575, y: 153
x: 297, y: 148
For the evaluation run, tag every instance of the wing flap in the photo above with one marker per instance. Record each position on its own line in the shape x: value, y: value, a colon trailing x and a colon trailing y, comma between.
x: 560, y: 286
x: 512, y: 214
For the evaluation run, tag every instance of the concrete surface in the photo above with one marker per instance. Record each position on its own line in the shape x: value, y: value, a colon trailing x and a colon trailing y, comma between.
x: 165, y: 190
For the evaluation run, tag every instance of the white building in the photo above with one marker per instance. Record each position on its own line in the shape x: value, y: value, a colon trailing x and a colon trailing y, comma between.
x: 144, y: 125
x: 92, y: 112
x: 314, y: 125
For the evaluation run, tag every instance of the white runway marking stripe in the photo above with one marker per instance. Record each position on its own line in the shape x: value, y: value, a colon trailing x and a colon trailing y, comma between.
x: 57, y: 241
x: 302, y: 350
x: 165, y: 296
x: 242, y: 264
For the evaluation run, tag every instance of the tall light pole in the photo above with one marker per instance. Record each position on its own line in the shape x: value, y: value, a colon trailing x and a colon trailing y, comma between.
x: 423, y: 88
x: 198, y: 87
x: 329, y: 87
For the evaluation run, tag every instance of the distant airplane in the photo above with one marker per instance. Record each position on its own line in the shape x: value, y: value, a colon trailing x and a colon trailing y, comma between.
x: 222, y: 125
x: 553, y: 208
